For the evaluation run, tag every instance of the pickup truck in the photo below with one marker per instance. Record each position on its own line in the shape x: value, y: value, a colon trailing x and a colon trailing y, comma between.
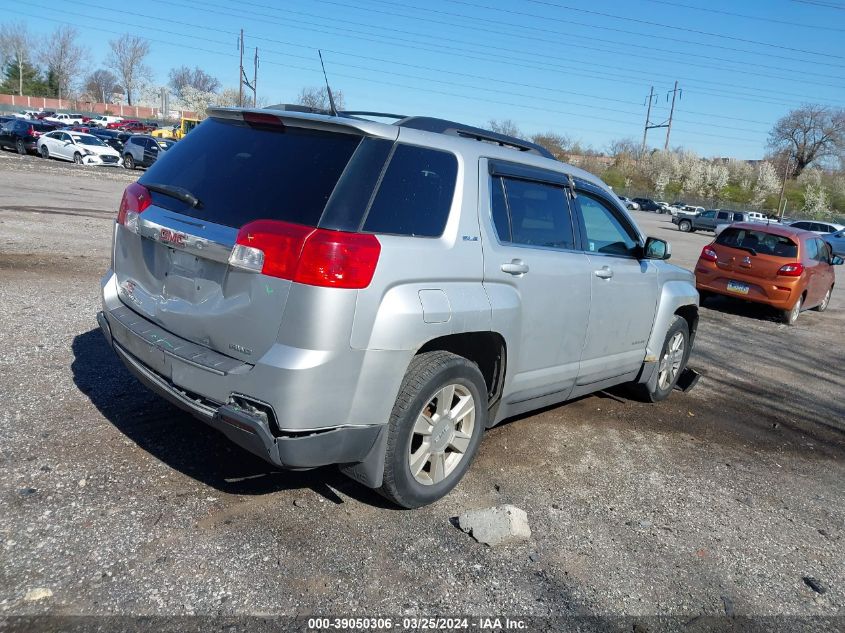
x: 708, y: 220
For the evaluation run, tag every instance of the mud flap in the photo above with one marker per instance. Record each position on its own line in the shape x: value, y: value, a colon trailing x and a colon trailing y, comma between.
x: 687, y: 380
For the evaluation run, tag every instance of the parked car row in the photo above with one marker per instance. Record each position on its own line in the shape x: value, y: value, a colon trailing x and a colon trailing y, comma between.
x: 73, y: 118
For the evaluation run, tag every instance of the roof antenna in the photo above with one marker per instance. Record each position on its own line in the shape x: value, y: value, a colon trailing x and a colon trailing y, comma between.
x: 328, y: 88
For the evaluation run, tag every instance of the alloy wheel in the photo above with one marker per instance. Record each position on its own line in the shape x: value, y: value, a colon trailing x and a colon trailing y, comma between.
x: 441, y: 434
x: 670, y: 364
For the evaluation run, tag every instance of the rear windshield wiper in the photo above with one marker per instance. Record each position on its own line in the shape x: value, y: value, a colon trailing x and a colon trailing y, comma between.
x: 180, y: 193
x: 746, y: 248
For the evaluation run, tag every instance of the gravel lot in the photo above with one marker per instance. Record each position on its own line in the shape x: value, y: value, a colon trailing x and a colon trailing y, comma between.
x: 715, y: 502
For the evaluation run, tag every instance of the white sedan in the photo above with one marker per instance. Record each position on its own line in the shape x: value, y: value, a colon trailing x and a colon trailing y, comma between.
x: 82, y: 149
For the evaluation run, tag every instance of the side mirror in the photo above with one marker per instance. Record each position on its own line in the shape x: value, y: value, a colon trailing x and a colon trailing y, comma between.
x: 837, y: 261
x: 655, y: 248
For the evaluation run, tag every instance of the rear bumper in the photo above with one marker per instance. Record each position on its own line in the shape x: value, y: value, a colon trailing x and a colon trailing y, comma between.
x: 251, y: 432
x: 781, y: 295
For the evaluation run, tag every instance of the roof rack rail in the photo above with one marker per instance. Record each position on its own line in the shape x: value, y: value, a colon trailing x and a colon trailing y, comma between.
x: 442, y: 126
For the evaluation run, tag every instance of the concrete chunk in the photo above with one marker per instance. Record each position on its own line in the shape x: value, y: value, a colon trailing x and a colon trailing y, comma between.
x: 496, y: 526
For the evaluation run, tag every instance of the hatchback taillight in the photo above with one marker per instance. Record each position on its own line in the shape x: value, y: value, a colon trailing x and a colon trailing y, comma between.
x: 136, y: 198
x: 791, y: 270
x: 317, y: 257
x: 708, y: 254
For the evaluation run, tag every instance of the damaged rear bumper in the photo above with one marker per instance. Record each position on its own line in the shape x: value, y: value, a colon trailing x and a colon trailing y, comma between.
x: 252, y: 432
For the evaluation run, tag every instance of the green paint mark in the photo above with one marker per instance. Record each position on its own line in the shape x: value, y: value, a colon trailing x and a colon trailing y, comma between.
x: 268, y: 289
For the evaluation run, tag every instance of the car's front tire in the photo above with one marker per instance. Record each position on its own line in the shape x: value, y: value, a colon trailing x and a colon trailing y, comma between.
x: 45, y: 153
x: 435, y: 428
x: 129, y: 161
x: 670, y: 364
x: 77, y: 158
x: 825, y: 301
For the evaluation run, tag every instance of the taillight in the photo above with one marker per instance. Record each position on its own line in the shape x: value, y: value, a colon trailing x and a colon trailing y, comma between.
x: 33, y: 132
x: 708, y: 254
x: 136, y: 198
x: 791, y: 270
x: 317, y: 257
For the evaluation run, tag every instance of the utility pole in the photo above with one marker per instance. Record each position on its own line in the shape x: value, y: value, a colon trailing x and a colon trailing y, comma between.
x: 255, y: 81
x: 667, y: 125
x: 781, y: 206
x: 671, y: 113
x: 647, y: 118
x: 241, y: 71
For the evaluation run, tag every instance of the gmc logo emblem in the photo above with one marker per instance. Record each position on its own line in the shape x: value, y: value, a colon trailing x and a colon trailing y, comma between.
x: 172, y: 237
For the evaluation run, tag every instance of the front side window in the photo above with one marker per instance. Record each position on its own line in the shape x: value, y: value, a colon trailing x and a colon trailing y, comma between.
x: 415, y: 194
x: 708, y: 214
x: 604, y: 232
x: 531, y: 213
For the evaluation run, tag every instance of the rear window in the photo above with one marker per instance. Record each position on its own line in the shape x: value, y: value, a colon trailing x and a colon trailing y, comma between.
x: 762, y: 242
x: 415, y: 194
x: 242, y: 173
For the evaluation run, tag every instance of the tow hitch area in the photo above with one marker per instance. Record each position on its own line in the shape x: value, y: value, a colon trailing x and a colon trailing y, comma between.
x: 687, y: 380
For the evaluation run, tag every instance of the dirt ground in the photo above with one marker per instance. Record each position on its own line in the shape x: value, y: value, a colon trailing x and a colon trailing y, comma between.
x: 720, y: 501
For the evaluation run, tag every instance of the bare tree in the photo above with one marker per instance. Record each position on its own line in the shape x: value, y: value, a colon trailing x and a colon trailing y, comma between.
x: 318, y: 98
x: 63, y: 57
x: 506, y: 127
x: 127, y: 60
x: 16, y: 46
x: 809, y: 135
x: 558, y: 144
x: 196, y: 78
x: 101, y: 84
x: 624, y: 146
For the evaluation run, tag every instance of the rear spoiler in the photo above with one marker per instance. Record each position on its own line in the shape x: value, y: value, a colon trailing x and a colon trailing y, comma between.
x: 308, y: 120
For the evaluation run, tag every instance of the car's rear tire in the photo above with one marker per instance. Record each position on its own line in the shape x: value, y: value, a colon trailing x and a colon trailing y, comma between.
x: 791, y: 316
x: 129, y: 161
x: 685, y: 226
x: 670, y: 364
x: 77, y: 158
x: 825, y: 301
x: 435, y: 428
x: 20, y: 147
x: 45, y: 153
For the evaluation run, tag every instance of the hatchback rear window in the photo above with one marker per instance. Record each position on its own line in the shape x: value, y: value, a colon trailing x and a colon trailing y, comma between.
x: 762, y: 242
x: 242, y: 173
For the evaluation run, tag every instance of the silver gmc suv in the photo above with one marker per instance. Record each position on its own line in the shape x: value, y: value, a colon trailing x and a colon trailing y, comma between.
x: 333, y: 290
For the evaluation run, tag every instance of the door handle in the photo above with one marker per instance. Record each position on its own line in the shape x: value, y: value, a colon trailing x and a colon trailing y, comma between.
x: 515, y: 267
x: 605, y: 272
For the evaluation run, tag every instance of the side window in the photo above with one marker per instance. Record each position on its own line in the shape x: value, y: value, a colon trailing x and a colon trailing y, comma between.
x: 708, y: 214
x: 415, y: 194
x: 722, y: 215
x: 603, y: 231
x: 812, y: 249
x: 802, y: 225
x: 537, y: 214
x: 823, y: 250
x: 738, y: 217
x: 499, y: 210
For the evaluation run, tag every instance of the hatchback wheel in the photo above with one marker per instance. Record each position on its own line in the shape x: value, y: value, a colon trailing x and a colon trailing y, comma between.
x: 20, y: 147
x: 825, y: 302
x: 685, y: 226
x: 435, y: 428
x: 791, y: 316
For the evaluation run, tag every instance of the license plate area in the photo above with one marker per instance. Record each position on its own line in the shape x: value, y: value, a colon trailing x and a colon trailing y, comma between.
x: 738, y: 287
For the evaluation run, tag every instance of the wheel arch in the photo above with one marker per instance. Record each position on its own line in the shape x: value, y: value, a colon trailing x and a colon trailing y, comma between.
x: 488, y: 350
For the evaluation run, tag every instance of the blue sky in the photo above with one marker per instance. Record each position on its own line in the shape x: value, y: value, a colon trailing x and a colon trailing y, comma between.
x: 583, y: 69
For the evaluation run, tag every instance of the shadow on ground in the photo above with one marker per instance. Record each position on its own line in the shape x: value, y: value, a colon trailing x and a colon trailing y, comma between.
x: 185, y: 443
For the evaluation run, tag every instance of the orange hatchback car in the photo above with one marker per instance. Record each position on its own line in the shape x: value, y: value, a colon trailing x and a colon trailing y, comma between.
x: 786, y: 268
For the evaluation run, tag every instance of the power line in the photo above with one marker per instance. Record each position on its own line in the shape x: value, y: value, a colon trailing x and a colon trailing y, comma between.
x: 626, y: 78
x: 826, y: 5
x: 469, y: 23
x: 686, y: 42
x: 682, y: 28
x: 749, y: 17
